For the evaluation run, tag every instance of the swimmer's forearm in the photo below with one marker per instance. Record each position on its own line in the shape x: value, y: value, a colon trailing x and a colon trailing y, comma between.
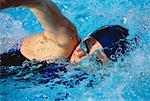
x: 4, y: 4
x: 54, y: 7
x: 14, y: 3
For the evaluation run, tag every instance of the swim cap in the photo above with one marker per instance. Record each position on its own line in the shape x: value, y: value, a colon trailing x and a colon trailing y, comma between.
x: 113, y: 39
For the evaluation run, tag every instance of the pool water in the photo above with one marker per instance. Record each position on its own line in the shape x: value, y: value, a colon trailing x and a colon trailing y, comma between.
x: 124, y: 80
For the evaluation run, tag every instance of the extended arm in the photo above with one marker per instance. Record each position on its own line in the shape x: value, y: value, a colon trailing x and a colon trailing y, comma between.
x: 14, y: 3
x: 46, y: 11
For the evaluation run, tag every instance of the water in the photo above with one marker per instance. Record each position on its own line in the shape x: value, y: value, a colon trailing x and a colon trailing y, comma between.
x: 127, y: 80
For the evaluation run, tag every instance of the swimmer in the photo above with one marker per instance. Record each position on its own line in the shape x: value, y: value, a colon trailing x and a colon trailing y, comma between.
x: 59, y: 39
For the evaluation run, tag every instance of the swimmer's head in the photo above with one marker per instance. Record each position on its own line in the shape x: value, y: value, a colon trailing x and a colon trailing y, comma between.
x: 88, y: 47
x: 109, y: 41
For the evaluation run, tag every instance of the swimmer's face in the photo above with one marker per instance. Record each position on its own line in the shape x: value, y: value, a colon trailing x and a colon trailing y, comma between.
x: 87, y: 47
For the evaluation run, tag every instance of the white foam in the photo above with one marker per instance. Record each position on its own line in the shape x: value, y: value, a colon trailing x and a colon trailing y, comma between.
x: 10, y: 31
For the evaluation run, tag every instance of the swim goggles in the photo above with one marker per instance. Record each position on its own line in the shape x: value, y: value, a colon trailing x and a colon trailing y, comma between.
x: 84, y: 47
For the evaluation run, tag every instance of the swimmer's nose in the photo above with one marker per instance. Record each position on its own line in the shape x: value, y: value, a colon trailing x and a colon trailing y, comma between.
x: 73, y: 59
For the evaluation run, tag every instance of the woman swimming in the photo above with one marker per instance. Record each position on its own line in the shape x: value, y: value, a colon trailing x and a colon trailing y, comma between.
x: 60, y: 38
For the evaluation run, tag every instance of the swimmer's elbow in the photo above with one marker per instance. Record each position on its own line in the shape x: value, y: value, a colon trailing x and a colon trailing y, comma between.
x: 4, y: 4
x: 15, y: 3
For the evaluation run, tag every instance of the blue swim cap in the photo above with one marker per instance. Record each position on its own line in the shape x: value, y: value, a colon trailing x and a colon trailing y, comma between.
x: 112, y: 38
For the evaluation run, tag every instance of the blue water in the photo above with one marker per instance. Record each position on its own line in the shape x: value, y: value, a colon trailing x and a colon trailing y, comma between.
x: 127, y: 80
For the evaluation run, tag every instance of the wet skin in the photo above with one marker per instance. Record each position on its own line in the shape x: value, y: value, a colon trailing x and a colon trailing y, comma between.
x: 93, y: 46
x: 60, y: 37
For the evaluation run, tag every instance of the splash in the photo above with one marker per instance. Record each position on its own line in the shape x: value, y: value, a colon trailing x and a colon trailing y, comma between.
x: 10, y: 32
x: 127, y: 79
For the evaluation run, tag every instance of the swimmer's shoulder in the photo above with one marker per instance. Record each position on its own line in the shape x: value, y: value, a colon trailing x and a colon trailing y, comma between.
x: 28, y: 43
x: 31, y: 38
